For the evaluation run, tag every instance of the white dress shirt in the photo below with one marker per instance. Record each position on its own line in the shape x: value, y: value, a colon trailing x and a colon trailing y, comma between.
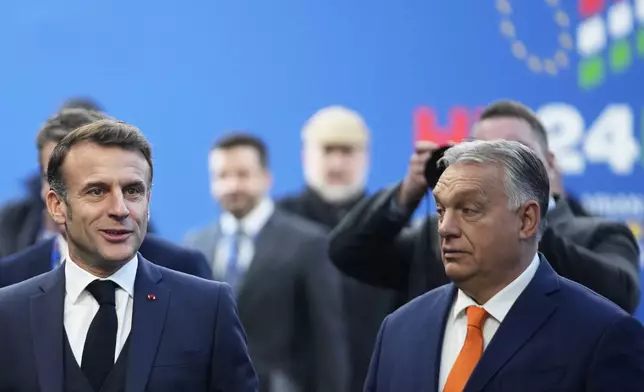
x: 250, y: 225
x: 497, y: 308
x: 81, y: 307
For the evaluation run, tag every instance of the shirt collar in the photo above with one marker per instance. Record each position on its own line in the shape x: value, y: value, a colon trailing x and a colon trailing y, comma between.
x: 77, y: 279
x: 63, y: 248
x: 499, y: 305
x: 250, y: 224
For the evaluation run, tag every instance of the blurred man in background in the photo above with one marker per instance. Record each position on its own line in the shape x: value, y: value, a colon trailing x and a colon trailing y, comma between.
x: 335, y: 158
x: 373, y: 245
x: 288, y: 292
x: 82, y: 102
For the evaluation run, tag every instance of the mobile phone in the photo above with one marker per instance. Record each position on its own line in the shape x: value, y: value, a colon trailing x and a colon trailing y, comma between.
x: 432, y: 170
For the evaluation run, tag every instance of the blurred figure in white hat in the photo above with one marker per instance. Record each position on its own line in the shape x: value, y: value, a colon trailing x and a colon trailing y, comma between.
x: 335, y: 158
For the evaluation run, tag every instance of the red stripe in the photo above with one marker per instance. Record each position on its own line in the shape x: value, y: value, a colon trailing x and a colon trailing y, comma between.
x: 588, y: 8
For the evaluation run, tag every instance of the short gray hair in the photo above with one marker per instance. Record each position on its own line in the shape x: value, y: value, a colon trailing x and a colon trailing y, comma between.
x: 526, y: 177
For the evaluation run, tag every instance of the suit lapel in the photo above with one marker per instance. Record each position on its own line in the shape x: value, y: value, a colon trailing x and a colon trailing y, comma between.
x: 530, y: 311
x: 151, y: 300
x: 266, y: 239
x: 434, y: 330
x: 47, y: 331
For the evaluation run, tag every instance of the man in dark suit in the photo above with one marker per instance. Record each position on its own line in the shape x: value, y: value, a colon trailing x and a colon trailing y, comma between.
x: 287, y: 290
x: 374, y: 244
x: 107, y: 319
x: 508, y: 321
x: 335, y: 160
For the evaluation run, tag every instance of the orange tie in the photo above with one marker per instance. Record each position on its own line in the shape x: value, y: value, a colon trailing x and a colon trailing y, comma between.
x: 470, y: 353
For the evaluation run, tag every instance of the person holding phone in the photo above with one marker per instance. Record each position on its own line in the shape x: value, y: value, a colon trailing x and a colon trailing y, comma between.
x: 375, y: 245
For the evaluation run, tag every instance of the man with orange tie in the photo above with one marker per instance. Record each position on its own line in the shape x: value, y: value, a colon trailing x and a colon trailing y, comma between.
x: 508, y: 322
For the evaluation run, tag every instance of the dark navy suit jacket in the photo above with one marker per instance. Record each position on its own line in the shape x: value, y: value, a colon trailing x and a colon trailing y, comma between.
x: 558, y: 336
x: 36, y: 260
x: 187, y: 337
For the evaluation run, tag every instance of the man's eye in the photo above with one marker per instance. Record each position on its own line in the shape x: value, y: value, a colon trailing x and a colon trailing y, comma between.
x: 469, y: 211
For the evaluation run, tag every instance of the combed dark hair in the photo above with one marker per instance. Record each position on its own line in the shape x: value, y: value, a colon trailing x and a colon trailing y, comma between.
x: 243, y: 139
x: 106, y: 133
x: 80, y: 102
x: 526, y: 177
x: 63, y: 123
x: 507, y: 108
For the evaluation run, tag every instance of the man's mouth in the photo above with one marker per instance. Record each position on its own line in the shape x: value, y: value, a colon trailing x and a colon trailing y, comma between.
x: 116, y: 235
x: 450, y: 253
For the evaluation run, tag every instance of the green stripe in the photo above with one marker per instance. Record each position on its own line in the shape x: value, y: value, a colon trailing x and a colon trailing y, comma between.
x: 591, y: 72
x: 620, y: 55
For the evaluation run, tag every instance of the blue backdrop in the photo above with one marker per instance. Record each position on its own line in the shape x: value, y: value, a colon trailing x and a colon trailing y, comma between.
x: 185, y: 72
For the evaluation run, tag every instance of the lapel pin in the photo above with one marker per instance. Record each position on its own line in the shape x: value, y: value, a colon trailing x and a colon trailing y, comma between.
x: 152, y: 297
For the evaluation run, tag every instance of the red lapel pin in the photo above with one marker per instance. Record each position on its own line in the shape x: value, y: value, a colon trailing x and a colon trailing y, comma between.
x: 152, y: 297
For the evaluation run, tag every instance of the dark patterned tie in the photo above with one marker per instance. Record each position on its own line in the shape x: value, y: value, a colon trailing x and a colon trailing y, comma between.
x: 100, y: 344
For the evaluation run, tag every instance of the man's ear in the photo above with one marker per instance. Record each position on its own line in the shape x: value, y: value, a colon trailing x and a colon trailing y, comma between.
x: 530, y: 218
x: 57, y: 207
x: 268, y: 179
x: 149, y: 195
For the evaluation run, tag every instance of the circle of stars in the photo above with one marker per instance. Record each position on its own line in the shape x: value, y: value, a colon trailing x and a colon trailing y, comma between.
x: 550, y: 65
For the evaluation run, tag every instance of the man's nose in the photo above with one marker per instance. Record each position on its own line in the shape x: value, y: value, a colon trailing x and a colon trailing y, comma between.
x: 336, y: 159
x: 232, y: 185
x: 448, y: 225
x: 118, y: 207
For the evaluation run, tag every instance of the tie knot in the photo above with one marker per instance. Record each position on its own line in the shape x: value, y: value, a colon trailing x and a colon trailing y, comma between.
x: 476, y: 316
x: 103, y: 291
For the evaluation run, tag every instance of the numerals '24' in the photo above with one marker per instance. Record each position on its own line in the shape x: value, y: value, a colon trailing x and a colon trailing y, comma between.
x: 609, y: 139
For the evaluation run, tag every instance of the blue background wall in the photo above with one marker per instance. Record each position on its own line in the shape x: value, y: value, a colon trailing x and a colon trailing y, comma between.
x: 185, y: 72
